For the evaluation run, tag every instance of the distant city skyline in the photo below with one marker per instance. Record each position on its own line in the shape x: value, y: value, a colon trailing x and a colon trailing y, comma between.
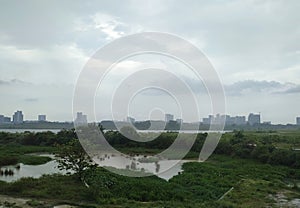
x: 81, y: 118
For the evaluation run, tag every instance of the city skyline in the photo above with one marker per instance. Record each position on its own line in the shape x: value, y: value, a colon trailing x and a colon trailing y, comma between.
x: 81, y: 118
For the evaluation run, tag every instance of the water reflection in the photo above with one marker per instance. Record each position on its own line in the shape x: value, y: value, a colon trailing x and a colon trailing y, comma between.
x: 148, y: 164
x: 13, y: 173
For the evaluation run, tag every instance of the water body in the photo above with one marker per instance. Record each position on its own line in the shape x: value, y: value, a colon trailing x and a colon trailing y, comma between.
x: 163, y: 168
x: 182, y: 131
x: 34, y: 171
x: 149, y: 164
x: 141, y: 131
x: 31, y: 130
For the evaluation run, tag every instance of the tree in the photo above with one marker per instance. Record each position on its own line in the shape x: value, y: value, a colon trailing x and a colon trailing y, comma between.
x: 73, y: 158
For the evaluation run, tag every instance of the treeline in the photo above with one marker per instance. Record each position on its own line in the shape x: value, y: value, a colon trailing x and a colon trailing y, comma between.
x: 262, y: 148
x: 163, y: 141
x: 47, y: 138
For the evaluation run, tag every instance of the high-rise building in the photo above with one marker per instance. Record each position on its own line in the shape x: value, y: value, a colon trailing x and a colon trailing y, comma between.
x: 208, y: 120
x: 169, y: 117
x: 1, y: 119
x: 7, y: 119
x: 298, y: 121
x: 240, y: 120
x: 41, y: 117
x: 18, y: 117
x: 81, y: 119
x: 179, y: 120
x: 254, y: 119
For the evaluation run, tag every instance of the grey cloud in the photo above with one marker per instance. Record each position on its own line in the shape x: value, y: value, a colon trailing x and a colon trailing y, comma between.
x: 295, y: 89
x: 241, y: 88
x: 253, y: 86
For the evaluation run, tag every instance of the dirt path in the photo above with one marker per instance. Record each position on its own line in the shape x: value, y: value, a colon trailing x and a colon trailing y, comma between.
x: 16, y: 202
x: 7, y: 201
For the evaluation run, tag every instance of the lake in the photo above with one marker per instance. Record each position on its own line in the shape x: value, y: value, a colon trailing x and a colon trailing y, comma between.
x: 31, y: 130
x: 148, y: 164
x: 141, y: 131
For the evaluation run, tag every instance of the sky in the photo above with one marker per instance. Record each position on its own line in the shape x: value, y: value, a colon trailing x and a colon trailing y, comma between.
x: 253, y: 45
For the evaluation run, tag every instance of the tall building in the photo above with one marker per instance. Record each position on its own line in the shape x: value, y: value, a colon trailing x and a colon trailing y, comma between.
x: 298, y: 121
x: 169, y: 117
x: 18, y: 117
x: 179, y: 120
x: 1, y: 119
x: 254, y: 119
x: 41, y: 117
x: 81, y: 119
x: 7, y: 119
x: 240, y: 120
x: 208, y: 120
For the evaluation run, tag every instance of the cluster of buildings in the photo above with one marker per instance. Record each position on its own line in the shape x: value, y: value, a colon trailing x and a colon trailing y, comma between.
x: 170, y: 117
x: 18, y: 118
x: 235, y: 120
x: 253, y: 119
x: 227, y: 119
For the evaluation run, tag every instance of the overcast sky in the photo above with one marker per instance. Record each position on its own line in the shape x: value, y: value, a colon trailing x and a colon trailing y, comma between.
x: 253, y: 45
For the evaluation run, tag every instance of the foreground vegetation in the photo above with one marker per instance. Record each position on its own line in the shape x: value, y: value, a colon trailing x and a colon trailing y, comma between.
x: 248, y: 169
x: 200, y: 185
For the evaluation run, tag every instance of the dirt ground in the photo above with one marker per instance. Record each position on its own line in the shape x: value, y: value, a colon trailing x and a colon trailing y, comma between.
x: 16, y: 202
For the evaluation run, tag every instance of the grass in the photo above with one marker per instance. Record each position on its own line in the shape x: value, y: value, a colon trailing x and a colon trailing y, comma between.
x: 13, y: 154
x: 200, y: 185
x: 33, y: 160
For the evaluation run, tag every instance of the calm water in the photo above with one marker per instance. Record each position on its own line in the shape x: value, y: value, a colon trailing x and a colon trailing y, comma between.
x: 31, y: 130
x: 142, y: 131
x: 34, y: 171
x: 148, y: 164
x: 162, y: 168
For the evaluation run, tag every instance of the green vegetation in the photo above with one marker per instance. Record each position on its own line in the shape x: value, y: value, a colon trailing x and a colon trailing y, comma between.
x: 13, y: 154
x: 200, y: 185
x: 248, y: 169
x: 17, y: 147
x: 72, y: 157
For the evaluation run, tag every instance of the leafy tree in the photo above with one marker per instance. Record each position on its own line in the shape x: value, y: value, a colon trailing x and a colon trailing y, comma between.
x: 73, y: 158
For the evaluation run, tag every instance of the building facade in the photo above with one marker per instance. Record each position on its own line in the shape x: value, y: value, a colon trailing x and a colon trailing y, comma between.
x: 18, y: 117
x: 41, y: 118
x: 298, y: 121
x: 254, y: 119
x: 169, y: 117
